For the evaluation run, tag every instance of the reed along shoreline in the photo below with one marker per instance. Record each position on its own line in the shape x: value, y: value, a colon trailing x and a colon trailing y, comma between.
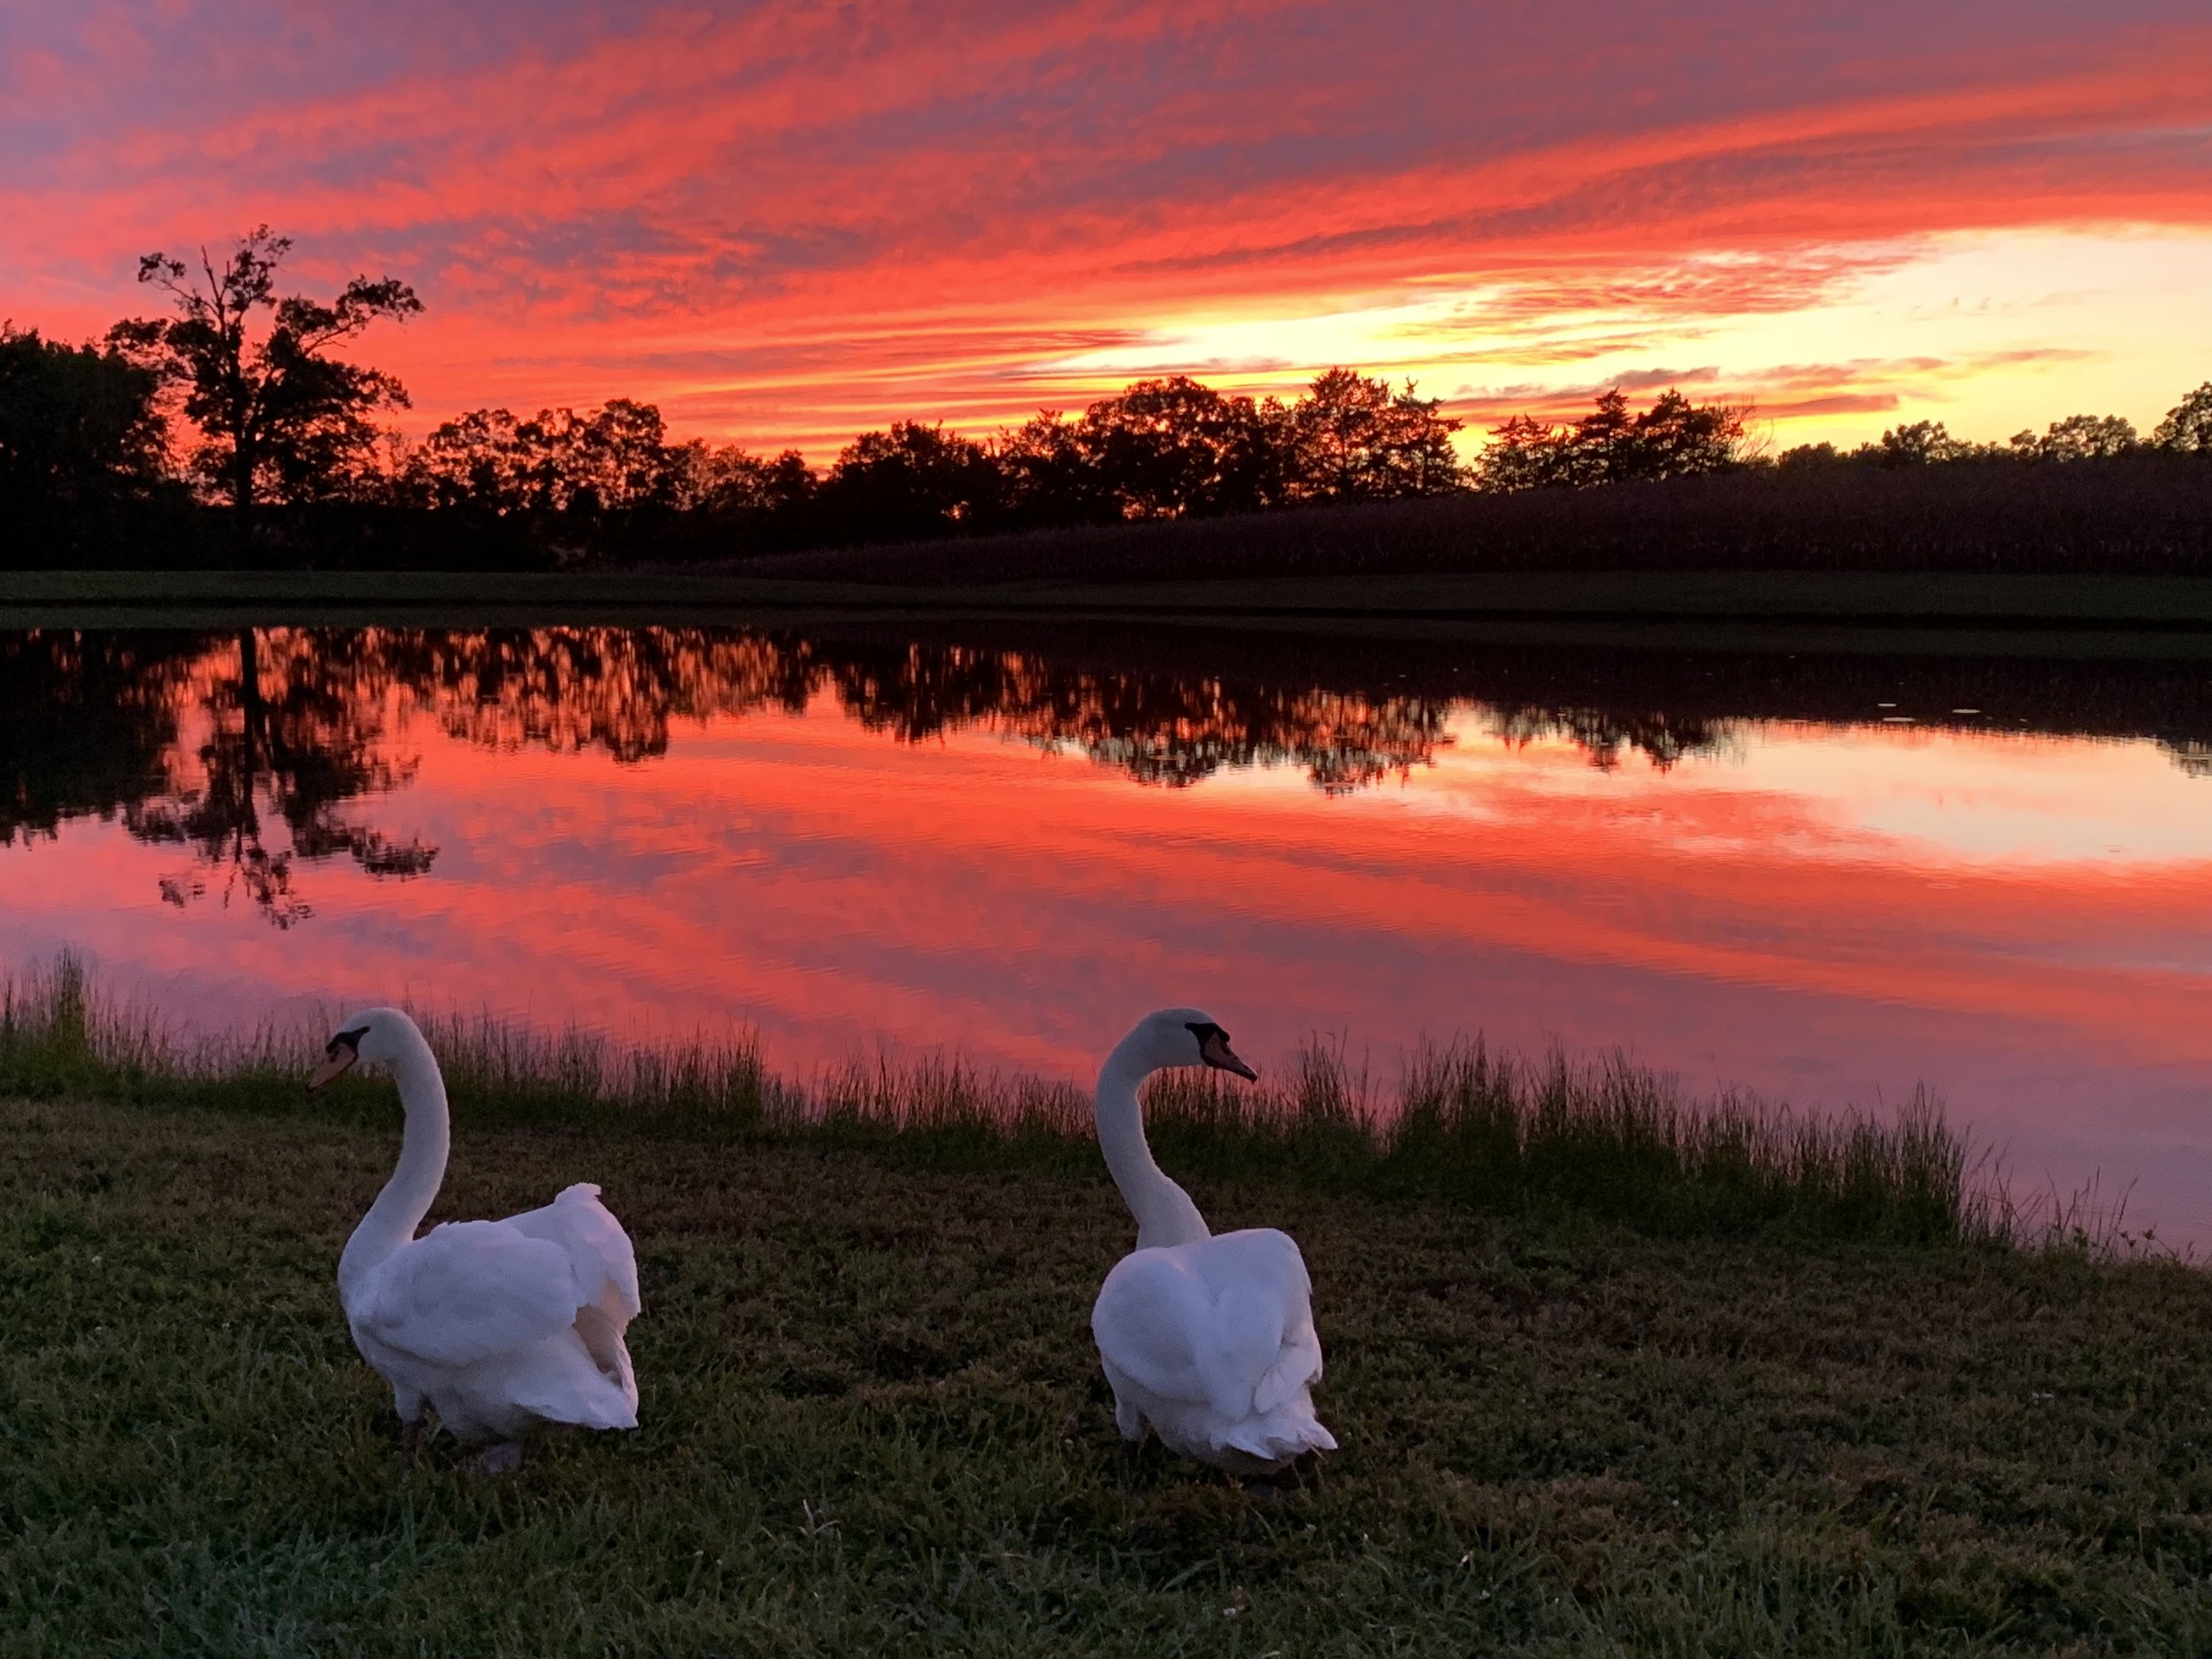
x: 1499, y: 1134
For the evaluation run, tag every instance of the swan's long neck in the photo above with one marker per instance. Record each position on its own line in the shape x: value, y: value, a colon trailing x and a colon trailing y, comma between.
x: 406, y: 1198
x: 1164, y: 1211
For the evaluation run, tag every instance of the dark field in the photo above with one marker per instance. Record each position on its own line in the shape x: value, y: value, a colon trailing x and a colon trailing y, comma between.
x: 873, y: 1423
x: 2149, y: 515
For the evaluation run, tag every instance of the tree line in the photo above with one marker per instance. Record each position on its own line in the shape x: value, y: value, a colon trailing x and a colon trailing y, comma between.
x: 237, y: 400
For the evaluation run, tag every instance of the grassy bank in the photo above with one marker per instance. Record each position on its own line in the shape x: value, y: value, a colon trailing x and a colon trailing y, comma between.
x: 873, y: 1423
x: 1758, y: 614
x: 1606, y: 1140
x: 1764, y: 594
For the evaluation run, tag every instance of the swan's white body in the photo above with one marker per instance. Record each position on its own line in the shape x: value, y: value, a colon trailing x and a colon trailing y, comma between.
x: 1209, y: 1341
x: 501, y: 1326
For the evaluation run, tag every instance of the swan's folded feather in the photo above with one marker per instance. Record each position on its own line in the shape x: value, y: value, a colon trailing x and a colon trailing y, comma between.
x: 605, y: 1265
x: 1149, y: 1323
x: 604, y: 1259
x: 1226, y: 1322
x: 466, y: 1291
x: 1297, y: 1368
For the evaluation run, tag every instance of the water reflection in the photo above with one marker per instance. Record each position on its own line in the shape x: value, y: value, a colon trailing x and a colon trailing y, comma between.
x: 200, y: 741
x: 197, y: 740
x: 1823, y: 878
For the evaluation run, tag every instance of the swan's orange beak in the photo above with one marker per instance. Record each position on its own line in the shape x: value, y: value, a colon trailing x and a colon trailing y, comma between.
x: 337, y: 1060
x: 1218, y: 1053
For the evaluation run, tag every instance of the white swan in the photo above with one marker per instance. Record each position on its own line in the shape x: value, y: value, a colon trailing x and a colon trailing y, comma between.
x: 1208, y: 1341
x: 502, y: 1326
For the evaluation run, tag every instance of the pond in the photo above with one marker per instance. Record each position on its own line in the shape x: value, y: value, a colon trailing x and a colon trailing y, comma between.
x: 1830, y: 881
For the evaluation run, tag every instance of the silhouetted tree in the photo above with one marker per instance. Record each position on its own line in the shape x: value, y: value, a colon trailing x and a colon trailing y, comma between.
x: 1352, y: 439
x: 1810, y: 458
x: 477, y: 461
x: 1675, y: 437
x: 1611, y: 445
x: 2079, y: 438
x: 1922, y: 443
x: 279, y: 419
x: 724, y: 478
x: 909, y: 482
x: 1524, y: 453
x: 81, y: 436
x: 2187, y: 428
x: 613, y: 459
x: 1049, y: 479
x: 1175, y: 449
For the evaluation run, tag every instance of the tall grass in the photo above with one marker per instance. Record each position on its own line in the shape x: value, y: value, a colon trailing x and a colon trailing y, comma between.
x: 1463, y: 1122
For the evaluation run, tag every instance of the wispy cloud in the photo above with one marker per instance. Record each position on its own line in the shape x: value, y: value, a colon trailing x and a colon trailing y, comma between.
x: 790, y: 222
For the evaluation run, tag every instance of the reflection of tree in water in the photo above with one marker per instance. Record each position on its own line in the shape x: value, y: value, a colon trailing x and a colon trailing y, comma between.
x: 199, y: 741
x: 571, y: 689
x: 282, y: 717
x: 194, y: 740
x: 1163, y: 731
x: 298, y: 719
x: 1603, y: 735
x: 618, y: 689
x: 89, y: 719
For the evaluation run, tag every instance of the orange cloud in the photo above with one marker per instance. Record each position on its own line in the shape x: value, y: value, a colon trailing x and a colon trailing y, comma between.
x: 787, y: 223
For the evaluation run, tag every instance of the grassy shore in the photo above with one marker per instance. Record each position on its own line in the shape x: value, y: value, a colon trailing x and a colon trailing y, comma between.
x: 1941, y: 616
x: 1606, y: 1138
x: 873, y: 1423
x: 1753, y: 1415
x: 1909, y: 597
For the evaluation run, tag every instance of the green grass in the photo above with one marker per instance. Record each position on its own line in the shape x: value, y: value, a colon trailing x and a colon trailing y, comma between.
x: 872, y: 1423
x: 1613, y: 1372
x: 1607, y: 1140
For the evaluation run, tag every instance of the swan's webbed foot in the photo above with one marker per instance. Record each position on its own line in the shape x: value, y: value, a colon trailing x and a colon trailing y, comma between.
x: 503, y: 1459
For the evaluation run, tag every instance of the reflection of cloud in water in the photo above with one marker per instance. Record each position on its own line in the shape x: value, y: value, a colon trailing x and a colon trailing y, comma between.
x: 261, y: 752
x: 1914, y: 798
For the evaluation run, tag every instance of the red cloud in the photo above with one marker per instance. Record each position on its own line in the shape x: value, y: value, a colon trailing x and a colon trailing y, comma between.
x: 795, y: 221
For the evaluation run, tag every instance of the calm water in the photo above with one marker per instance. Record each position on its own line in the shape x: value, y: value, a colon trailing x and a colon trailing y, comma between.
x: 1827, y: 881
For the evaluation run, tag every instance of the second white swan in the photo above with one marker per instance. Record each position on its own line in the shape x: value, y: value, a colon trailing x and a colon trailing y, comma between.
x: 499, y: 1326
x: 1207, y: 1340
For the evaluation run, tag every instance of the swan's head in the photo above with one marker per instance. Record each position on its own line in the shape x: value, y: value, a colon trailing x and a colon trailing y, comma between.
x: 377, y: 1035
x: 1186, y: 1036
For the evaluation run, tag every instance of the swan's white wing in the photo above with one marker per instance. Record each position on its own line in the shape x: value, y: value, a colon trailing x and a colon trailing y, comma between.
x: 1269, y: 1263
x: 466, y: 1291
x: 605, y: 1262
x: 1262, y: 1268
x: 605, y: 1265
x: 1151, y: 1324
x: 1225, y: 1322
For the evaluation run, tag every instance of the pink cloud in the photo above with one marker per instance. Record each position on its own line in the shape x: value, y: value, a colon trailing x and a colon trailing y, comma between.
x: 795, y: 221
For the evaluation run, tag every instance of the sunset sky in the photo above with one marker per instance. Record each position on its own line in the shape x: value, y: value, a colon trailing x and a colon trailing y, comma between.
x: 784, y: 223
